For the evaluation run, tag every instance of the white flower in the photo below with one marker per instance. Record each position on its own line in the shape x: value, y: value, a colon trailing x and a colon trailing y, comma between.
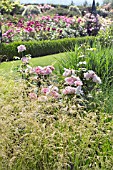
x: 81, y: 63
x: 21, y: 48
x: 78, y: 90
x: 68, y: 72
x: 89, y: 74
x: 97, y: 79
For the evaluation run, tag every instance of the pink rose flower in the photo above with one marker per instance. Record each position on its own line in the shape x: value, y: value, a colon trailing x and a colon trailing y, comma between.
x: 89, y: 74
x: 32, y: 96
x: 46, y: 71
x: 51, y: 67
x: 69, y: 90
x: 78, y: 83
x: 25, y: 60
x: 68, y: 72
x: 21, y: 48
x: 70, y: 80
x: 45, y: 90
x: 79, y: 20
x: 38, y: 70
x: 54, y: 94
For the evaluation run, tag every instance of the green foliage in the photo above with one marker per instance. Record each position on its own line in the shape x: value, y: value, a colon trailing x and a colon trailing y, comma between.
x: 85, y: 3
x: 60, y: 11
x: 105, y: 36
x: 6, y: 6
x: 17, y: 8
x: 9, y: 6
x: 97, y: 4
x: 98, y: 59
x: 103, y: 13
x: 107, y: 1
x: 41, y: 48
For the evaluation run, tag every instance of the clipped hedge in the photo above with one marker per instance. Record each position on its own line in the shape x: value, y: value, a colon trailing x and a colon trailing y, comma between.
x: 41, y: 48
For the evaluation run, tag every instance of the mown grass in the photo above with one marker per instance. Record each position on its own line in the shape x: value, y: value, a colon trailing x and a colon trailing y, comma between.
x: 8, y: 69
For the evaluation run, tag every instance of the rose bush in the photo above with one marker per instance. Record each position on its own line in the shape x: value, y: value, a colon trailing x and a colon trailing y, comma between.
x: 43, y: 85
x: 41, y: 28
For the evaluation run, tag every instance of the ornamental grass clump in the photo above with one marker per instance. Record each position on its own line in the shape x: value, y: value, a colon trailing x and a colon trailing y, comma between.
x: 37, y: 135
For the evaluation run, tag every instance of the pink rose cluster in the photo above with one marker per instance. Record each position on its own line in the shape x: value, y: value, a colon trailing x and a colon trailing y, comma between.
x: 68, y: 72
x: 44, y: 70
x: 51, y: 91
x: 71, y: 81
x: 25, y: 60
x: 92, y: 75
x: 32, y: 95
x: 72, y: 90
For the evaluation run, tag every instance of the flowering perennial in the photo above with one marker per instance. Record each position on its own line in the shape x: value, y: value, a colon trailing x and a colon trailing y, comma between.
x: 45, y: 88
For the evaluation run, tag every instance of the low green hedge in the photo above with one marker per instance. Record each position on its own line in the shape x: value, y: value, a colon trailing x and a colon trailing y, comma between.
x: 41, y: 48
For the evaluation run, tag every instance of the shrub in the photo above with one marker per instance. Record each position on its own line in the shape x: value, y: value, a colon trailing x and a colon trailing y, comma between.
x: 103, y: 13
x: 105, y: 36
x: 92, y: 24
x: 10, y: 7
x: 41, y: 48
x: 60, y: 11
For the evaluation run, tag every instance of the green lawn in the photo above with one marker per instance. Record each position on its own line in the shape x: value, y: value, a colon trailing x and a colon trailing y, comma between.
x: 8, y: 69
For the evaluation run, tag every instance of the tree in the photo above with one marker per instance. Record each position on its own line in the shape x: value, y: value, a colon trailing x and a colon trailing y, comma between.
x: 97, y: 4
x: 85, y: 3
x: 72, y: 3
x: 107, y: 1
x: 7, y: 6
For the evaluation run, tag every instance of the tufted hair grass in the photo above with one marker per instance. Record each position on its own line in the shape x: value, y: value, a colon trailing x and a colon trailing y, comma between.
x: 39, y: 136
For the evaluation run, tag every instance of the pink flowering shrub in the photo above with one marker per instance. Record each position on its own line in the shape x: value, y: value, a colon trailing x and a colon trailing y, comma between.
x: 41, y: 28
x: 43, y: 87
x: 92, y: 24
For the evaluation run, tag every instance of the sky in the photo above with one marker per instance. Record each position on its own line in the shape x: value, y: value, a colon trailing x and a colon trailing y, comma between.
x: 64, y: 2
